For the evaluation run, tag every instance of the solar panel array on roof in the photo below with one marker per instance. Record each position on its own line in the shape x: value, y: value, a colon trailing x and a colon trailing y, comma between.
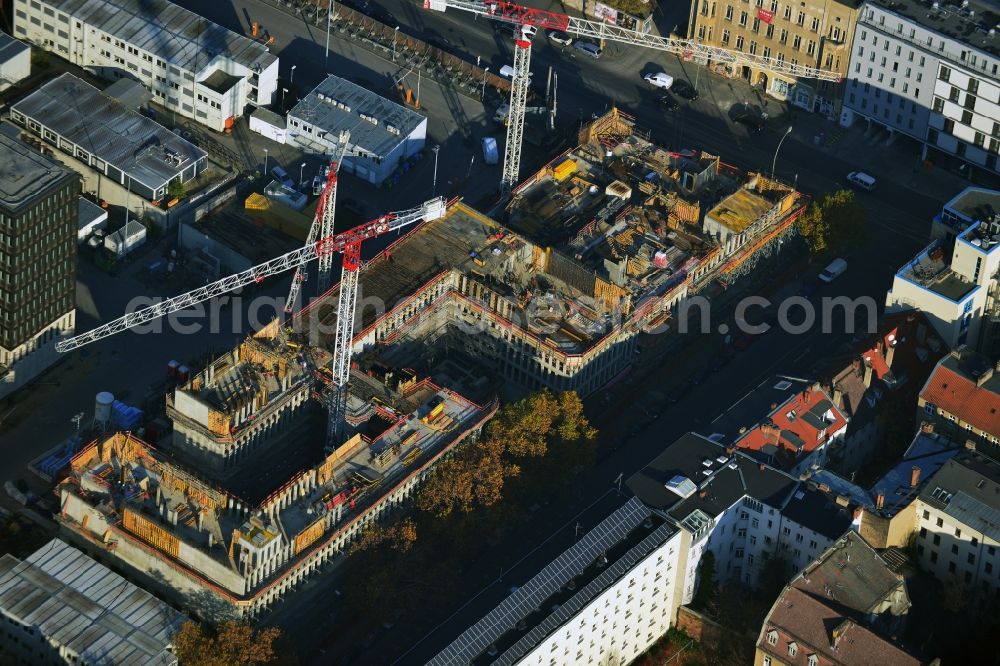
x: 78, y: 603
x: 477, y: 638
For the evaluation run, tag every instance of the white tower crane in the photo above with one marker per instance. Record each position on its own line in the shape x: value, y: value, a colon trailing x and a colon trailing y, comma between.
x: 322, y: 227
x: 520, y: 15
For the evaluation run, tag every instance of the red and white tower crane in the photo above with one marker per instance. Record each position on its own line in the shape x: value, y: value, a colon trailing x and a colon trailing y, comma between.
x: 322, y: 227
x: 602, y: 31
x: 347, y: 243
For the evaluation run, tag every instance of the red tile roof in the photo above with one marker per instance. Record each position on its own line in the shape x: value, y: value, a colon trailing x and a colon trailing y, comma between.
x: 958, y: 395
x: 800, y: 618
x: 792, y: 419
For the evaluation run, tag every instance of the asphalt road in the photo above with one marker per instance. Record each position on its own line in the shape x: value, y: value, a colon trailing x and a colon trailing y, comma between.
x: 900, y: 215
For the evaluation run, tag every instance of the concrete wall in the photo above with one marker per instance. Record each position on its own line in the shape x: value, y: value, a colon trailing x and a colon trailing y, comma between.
x: 15, y: 69
x: 35, y: 355
x: 231, y: 261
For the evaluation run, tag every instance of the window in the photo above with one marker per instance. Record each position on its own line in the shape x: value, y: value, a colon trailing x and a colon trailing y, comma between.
x: 940, y: 522
x: 934, y: 557
x: 793, y: 649
x: 725, y: 37
x: 951, y: 567
x: 813, y: 660
x: 815, y: 25
x: 801, y: 19
x: 937, y: 539
x: 729, y: 13
x: 783, y: 36
x: 772, y: 637
x: 739, y: 43
x: 743, y: 19
x: 796, y: 42
x: 944, y: 73
x: 938, y: 108
x: 954, y: 549
x: 971, y: 559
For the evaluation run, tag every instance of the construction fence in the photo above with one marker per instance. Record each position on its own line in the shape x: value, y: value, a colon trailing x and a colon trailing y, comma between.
x: 433, y: 62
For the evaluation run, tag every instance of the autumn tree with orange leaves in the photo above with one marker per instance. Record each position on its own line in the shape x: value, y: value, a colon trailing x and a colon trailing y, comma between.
x: 229, y: 644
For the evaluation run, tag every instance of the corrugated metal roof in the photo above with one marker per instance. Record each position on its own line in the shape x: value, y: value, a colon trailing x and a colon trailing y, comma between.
x: 103, y: 126
x: 79, y: 603
x: 10, y: 47
x: 173, y: 34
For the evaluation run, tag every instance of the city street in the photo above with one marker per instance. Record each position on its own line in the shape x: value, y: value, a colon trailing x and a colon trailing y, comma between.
x: 130, y: 365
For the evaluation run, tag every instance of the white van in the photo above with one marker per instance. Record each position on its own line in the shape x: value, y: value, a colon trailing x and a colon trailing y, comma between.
x: 490, y: 153
x: 507, y: 71
x: 834, y: 270
x: 862, y: 180
x: 659, y: 79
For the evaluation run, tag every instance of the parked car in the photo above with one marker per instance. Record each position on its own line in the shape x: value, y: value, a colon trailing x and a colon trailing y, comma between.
x: 589, y: 48
x: 682, y: 88
x: 490, y: 153
x: 669, y: 102
x: 659, y: 79
x: 317, y: 185
x: 749, y: 117
x: 560, y: 37
x: 507, y: 71
x: 282, y: 177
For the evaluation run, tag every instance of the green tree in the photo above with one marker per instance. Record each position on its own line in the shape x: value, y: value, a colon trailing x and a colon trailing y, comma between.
x: 634, y: 7
x: 707, y: 593
x: 229, y: 644
x: 176, y: 189
x: 837, y: 222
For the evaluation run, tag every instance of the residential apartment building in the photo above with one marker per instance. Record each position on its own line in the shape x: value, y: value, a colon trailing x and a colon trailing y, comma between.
x: 962, y: 398
x: 61, y: 606
x: 816, y: 33
x: 891, y: 366
x: 954, y: 282
x: 605, y: 600
x: 844, y: 609
x: 39, y: 201
x: 930, y: 72
x: 191, y: 66
x: 740, y: 509
x: 884, y: 512
x: 959, y: 523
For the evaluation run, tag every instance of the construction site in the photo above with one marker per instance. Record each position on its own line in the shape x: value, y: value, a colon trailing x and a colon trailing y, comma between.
x: 460, y: 312
x: 218, y: 548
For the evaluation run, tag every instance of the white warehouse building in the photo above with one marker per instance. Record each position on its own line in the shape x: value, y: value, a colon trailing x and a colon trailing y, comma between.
x: 929, y: 71
x: 190, y: 65
x: 382, y: 133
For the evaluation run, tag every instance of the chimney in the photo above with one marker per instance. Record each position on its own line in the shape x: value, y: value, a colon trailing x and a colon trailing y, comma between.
x: 838, y: 398
x: 730, y: 450
x: 879, y: 346
x: 201, y: 520
x: 890, y: 351
x: 985, y: 377
x: 763, y: 467
x: 879, y: 500
x: 838, y: 631
x: 858, y: 513
x: 970, y: 444
x: 868, y: 373
x: 914, y: 476
x: 702, y: 494
x: 927, y: 427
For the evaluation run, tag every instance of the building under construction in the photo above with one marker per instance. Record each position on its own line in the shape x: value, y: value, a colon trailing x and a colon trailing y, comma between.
x: 220, y: 552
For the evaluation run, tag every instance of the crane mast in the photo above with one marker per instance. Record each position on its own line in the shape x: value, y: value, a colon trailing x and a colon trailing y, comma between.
x: 510, y: 12
x: 321, y: 227
x: 518, y: 101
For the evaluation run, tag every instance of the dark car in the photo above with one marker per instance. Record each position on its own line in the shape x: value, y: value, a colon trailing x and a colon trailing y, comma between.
x: 439, y: 42
x: 682, y: 88
x: 382, y: 15
x: 748, y: 116
x: 669, y: 102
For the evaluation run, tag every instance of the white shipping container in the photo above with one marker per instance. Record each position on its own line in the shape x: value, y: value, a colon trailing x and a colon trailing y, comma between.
x: 126, y: 239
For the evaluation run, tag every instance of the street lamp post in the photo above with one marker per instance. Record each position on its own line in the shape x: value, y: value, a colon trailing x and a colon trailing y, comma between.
x: 265, y: 161
x: 281, y: 102
x: 774, y: 163
x: 291, y: 75
x: 434, y: 185
x: 485, y: 72
x: 395, y: 31
x: 302, y: 168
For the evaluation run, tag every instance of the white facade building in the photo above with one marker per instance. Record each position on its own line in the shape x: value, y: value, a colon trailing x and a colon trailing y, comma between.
x: 605, y: 600
x: 741, y: 510
x: 952, y: 292
x: 15, y: 61
x: 958, y: 517
x: 382, y: 134
x: 190, y: 65
x: 929, y: 72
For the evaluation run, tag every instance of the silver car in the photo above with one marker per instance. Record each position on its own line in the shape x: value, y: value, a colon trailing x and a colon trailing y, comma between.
x: 589, y: 48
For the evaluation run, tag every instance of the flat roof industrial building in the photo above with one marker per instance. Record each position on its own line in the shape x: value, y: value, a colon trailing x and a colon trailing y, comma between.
x: 62, y: 601
x: 382, y: 132
x: 130, y: 149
